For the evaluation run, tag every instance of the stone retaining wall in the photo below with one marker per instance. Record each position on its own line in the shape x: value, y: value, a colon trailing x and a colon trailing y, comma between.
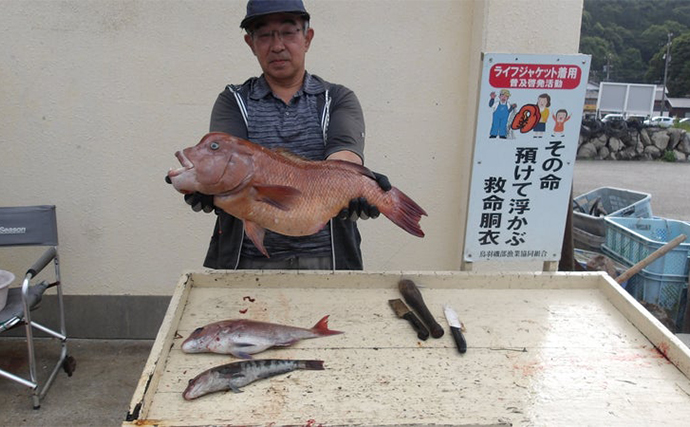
x: 631, y: 141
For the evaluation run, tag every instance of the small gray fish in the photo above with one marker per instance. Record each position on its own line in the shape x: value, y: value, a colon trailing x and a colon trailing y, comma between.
x: 234, y: 375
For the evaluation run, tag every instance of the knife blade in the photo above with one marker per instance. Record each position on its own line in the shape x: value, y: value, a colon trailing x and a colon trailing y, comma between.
x: 455, y: 328
x: 403, y: 312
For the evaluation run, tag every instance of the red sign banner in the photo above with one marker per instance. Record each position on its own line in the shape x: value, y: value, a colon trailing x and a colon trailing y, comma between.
x: 535, y: 76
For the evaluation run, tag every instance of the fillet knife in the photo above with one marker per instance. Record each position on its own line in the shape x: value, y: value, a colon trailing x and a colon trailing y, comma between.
x: 403, y: 312
x: 455, y: 328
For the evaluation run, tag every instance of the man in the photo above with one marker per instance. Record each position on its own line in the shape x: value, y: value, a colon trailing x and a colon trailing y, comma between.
x: 501, y: 111
x: 286, y: 107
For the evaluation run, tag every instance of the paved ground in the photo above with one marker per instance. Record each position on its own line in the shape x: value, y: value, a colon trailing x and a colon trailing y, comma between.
x: 668, y: 183
x: 99, y: 392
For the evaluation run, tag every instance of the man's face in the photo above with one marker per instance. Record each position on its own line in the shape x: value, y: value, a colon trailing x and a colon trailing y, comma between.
x: 280, y: 44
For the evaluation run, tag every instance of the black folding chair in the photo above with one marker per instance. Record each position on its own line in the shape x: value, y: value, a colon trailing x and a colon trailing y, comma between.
x: 33, y: 226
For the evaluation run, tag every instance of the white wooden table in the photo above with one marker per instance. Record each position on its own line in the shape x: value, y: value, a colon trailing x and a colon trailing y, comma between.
x: 543, y: 349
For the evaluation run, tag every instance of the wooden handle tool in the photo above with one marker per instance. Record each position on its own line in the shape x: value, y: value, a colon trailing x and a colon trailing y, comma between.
x: 414, y: 299
x: 627, y: 274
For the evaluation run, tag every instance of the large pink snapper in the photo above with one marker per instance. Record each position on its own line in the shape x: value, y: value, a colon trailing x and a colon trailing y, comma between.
x: 242, y: 337
x: 281, y: 192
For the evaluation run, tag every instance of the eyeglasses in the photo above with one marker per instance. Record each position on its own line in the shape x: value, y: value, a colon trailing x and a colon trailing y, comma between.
x: 286, y: 35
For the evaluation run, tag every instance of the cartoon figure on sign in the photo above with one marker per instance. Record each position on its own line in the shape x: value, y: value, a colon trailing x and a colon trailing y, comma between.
x: 543, y: 102
x: 499, y: 122
x: 560, y: 117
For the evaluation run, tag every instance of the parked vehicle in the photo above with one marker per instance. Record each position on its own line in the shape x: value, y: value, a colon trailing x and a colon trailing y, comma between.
x: 613, y: 118
x: 659, y: 121
x: 685, y: 120
x: 639, y: 119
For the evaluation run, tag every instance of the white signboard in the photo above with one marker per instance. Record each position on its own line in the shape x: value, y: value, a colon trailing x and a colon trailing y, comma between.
x: 528, y: 125
x: 626, y: 98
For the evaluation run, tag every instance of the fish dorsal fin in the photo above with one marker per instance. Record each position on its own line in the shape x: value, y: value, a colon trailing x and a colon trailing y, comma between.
x: 280, y: 196
x: 289, y: 154
x: 354, y: 167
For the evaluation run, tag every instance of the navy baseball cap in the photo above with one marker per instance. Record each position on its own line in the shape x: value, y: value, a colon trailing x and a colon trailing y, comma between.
x: 259, y: 8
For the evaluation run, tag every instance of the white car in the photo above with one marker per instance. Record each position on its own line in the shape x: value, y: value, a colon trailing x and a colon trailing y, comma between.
x: 685, y: 120
x: 659, y: 121
x: 613, y: 118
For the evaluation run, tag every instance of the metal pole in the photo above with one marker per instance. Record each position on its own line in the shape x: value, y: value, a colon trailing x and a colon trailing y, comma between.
x: 608, y: 67
x: 667, y: 57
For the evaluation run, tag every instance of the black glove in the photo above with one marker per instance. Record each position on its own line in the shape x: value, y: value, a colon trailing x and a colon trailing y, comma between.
x: 200, y: 202
x: 382, y: 181
x: 360, y: 207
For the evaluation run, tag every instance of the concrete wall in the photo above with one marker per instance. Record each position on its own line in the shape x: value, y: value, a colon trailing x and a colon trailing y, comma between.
x: 96, y: 96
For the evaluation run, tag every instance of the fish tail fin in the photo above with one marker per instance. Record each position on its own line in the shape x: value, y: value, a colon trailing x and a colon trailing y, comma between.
x: 321, y: 327
x: 405, y: 212
x: 312, y: 365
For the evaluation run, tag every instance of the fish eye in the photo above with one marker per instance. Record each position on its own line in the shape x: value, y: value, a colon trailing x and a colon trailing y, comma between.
x: 214, y: 146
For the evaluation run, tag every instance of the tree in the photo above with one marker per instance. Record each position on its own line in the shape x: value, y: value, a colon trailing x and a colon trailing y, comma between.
x: 678, y: 76
x: 600, y: 49
x: 656, y: 36
x: 630, y: 34
x: 679, y: 68
x: 629, y: 66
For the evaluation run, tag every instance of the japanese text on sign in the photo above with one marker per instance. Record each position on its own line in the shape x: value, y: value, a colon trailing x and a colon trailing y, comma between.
x: 528, y: 122
x: 535, y: 76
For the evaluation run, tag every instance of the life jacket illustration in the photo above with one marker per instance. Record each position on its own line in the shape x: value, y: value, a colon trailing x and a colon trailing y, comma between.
x: 526, y: 118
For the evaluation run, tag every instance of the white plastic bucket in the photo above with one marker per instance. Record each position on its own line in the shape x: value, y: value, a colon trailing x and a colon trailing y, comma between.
x: 6, y: 279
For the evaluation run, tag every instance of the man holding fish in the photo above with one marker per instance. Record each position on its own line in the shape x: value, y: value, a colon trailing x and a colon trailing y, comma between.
x: 286, y: 108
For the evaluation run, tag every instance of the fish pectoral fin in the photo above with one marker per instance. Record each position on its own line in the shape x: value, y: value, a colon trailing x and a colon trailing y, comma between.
x: 279, y: 196
x: 256, y: 233
x: 239, y: 351
x: 244, y: 344
x: 232, y: 386
x: 241, y: 354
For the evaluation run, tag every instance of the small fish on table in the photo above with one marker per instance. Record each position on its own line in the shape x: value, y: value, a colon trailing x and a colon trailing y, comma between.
x: 244, y: 337
x: 234, y: 375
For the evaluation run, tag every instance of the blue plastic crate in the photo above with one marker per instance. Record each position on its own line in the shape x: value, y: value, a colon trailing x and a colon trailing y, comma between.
x: 664, y: 290
x: 633, y: 239
x: 614, y: 202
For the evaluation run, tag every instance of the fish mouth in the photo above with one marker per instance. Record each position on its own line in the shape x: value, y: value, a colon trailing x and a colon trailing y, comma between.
x: 184, y: 161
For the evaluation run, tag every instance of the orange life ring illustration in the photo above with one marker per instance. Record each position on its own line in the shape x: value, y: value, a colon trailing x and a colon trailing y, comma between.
x: 526, y: 118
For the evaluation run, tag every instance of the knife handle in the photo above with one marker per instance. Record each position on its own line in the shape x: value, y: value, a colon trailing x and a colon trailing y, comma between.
x: 459, y: 339
x: 418, y: 326
x: 413, y: 297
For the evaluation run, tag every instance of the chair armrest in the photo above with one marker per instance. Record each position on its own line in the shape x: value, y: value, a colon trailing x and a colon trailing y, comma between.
x: 40, y: 264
